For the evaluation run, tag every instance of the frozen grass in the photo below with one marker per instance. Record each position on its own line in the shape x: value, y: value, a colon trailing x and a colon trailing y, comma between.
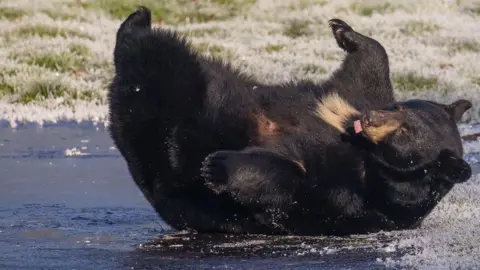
x: 56, y: 62
x: 11, y: 13
x: 44, y: 31
x: 56, y: 56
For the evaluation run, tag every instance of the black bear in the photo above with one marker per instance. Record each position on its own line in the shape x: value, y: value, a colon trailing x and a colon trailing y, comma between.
x: 214, y: 150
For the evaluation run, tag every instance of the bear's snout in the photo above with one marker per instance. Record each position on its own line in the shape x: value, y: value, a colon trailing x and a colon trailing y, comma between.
x: 378, y: 124
x: 381, y: 118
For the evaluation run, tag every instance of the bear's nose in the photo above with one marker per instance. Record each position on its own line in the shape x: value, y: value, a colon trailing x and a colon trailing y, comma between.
x: 379, y: 118
x: 375, y: 119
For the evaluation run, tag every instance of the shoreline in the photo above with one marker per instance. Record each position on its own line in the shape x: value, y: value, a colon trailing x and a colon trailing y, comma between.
x: 101, y: 122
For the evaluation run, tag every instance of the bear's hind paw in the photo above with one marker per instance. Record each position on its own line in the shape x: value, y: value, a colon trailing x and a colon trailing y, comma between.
x: 343, y: 34
x: 140, y: 18
x: 339, y: 25
x: 214, y: 172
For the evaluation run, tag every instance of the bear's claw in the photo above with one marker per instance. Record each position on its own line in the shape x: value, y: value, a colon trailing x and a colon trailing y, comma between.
x: 343, y: 34
x: 339, y: 25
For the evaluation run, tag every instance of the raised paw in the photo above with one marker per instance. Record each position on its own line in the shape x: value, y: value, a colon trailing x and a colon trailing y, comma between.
x: 141, y: 17
x: 344, y: 34
x: 214, y: 171
x: 337, y: 24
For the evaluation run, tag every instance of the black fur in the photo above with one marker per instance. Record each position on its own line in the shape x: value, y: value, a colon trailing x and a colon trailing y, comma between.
x: 216, y: 151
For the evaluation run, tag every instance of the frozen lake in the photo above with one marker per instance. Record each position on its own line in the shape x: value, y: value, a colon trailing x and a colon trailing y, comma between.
x: 67, y: 202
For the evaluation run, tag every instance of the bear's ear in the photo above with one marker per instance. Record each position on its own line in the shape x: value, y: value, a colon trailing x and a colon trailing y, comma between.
x: 458, y: 108
x: 453, y: 169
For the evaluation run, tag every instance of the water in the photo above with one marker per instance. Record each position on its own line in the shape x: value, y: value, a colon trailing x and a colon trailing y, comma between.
x: 67, y: 202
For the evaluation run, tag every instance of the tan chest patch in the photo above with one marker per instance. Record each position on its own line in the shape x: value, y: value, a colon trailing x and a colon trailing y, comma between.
x: 335, y: 111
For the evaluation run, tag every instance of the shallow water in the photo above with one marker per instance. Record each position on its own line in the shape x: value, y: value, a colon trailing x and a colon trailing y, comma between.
x: 68, y: 202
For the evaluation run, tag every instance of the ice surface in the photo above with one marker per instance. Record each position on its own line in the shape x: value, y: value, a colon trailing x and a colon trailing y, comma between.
x: 60, y: 167
x: 449, y: 237
x: 441, y: 45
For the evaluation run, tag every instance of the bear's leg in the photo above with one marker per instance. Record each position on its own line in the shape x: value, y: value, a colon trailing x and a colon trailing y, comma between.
x: 157, y: 75
x: 346, y: 38
x: 160, y: 100
x: 253, y: 177
x: 364, y: 76
x: 162, y: 80
x: 350, y: 40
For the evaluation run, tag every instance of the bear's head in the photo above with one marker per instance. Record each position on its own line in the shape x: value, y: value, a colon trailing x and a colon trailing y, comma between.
x: 411, y: 152
x: 417, y: 134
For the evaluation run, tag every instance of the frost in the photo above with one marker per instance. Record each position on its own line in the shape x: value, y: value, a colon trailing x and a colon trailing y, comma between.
x: 449, y: 237
x: 447, y: 51
x: 74, y: 152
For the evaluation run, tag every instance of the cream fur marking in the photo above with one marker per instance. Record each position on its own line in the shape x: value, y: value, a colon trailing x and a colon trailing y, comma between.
x: 335, y: 110
x: 377, y: 134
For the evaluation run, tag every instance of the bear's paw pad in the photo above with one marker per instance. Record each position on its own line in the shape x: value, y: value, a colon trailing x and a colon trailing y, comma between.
x: 214, y: 171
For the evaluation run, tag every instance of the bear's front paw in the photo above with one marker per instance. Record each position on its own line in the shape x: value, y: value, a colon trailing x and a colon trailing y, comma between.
x: 214, y: 171
x: 344, y: 34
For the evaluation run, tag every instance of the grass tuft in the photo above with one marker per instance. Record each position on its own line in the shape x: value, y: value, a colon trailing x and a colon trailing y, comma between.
x: 476, y: 80
x: 234, y: 7
x: 476, y: 10
x: 47, y: 31
x: 369, y: 9
x: 465, y: 46
x: 413, y: 82
x: 8, y: 72
x: 11, y: 14
x: 6, y: 89
x: 274, y: 48
x: 80, y: 50
x: 41, y: 90
x: 419, y: 27
x: 203, y: 32
x: 314, y: 69
x: 61, y: 62
x: 86, y: 95
x: 305, y: 4
x: 296, y: 28
x: 215, y: 51
x: 56, y: 15
x: 171, y: 12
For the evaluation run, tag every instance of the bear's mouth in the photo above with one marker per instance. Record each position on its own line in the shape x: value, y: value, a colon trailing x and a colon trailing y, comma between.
x: 357, y: 126
x: 376, y: 125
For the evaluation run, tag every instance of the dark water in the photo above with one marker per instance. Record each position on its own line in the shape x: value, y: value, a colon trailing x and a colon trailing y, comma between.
x: 59, y: 211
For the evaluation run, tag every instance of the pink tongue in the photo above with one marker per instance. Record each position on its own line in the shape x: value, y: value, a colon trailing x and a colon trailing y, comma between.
x: 357, y: 126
